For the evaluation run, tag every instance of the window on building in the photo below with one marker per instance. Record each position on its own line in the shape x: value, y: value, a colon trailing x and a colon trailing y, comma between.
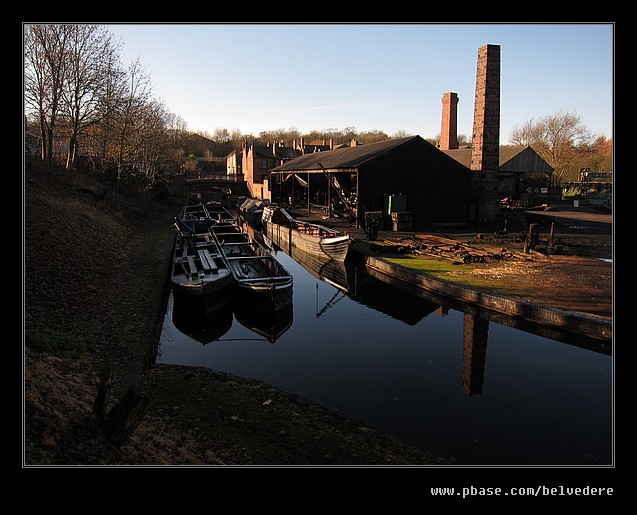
x: 264, y: 164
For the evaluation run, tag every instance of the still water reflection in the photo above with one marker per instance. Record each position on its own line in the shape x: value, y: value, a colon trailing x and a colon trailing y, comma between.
x: 468, y: 385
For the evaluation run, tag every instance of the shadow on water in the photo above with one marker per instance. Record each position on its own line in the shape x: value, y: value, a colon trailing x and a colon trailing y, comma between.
x: 410, y: 304
x: 579, y: 340
x: 353, y: 280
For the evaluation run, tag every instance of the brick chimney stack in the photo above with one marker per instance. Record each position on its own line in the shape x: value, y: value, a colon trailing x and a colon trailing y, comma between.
x: 449, y: 129
x: 485, y: 143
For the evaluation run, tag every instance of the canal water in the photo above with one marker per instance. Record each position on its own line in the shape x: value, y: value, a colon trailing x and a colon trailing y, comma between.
x: 468, y: 385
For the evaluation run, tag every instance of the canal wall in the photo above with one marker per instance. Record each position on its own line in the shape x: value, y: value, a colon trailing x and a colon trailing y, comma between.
x: 570, y: 321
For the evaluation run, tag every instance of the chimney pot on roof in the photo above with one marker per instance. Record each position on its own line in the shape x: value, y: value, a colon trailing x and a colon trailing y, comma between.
x: 353, y: 143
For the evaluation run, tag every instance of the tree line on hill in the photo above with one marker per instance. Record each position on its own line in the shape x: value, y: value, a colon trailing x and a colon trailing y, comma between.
x: 87, y: 109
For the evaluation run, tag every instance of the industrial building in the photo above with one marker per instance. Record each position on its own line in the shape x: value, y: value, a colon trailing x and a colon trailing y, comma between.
x: 405, y: 175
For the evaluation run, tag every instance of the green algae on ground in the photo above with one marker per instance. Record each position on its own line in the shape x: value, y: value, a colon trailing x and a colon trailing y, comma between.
x: 458, y: 273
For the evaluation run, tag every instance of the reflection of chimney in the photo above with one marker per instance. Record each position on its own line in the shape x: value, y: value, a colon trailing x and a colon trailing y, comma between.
x: 474, y: 353
x: 331, y: 143
x: 449, y: 130
x: 442, y: 311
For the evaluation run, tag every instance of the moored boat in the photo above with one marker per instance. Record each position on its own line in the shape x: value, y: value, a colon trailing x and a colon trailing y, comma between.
x: 200, y: 275
x: 218, y: 213
x: 196, y: 218
x: 251, y: 210
x: 287, y: 232
x: 260, y: 279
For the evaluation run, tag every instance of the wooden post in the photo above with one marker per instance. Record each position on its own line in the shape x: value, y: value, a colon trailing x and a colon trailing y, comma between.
x: 122, y: 421
x: 104, y: 385
x: 329, y: 195
x: 358, y: 200
x: 550, y: 247
x: 531, y: 237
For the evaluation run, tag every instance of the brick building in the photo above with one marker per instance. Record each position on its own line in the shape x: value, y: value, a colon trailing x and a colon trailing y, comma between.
x: 257, y: 161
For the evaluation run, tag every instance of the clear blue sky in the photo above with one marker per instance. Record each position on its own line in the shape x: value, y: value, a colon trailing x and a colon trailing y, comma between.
x: 389, y: 77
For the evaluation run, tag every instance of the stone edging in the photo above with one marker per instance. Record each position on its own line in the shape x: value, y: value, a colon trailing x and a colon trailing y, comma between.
x: 579, y: 323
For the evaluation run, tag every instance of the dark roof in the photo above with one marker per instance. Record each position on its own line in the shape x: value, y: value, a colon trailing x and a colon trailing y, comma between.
x: 310, y: 149
x: 513, y: 158
x: 281, y: 152
x: 346, y: 157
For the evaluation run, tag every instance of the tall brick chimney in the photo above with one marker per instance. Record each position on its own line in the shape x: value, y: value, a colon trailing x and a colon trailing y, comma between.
x: 485, y: 144
x: 449, y: 129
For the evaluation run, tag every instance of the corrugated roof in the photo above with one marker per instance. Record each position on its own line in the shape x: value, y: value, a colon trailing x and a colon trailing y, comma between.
x: 347, y: 157
x: 513, y: 158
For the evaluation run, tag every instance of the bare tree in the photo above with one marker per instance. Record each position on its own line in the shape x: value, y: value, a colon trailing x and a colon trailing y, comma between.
x: 175, y: 125
x: 151, y: 146
x: 130, y: 119
x: 401, y: 134
x: 220, y: 134
x: 104, y: 137
x: 45, y: 74
x: 90, y: 52
x: 463, y: 140
x: 560, y: 139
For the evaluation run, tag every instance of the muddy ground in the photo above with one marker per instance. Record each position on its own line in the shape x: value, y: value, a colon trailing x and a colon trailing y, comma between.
x: 94, y: 290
